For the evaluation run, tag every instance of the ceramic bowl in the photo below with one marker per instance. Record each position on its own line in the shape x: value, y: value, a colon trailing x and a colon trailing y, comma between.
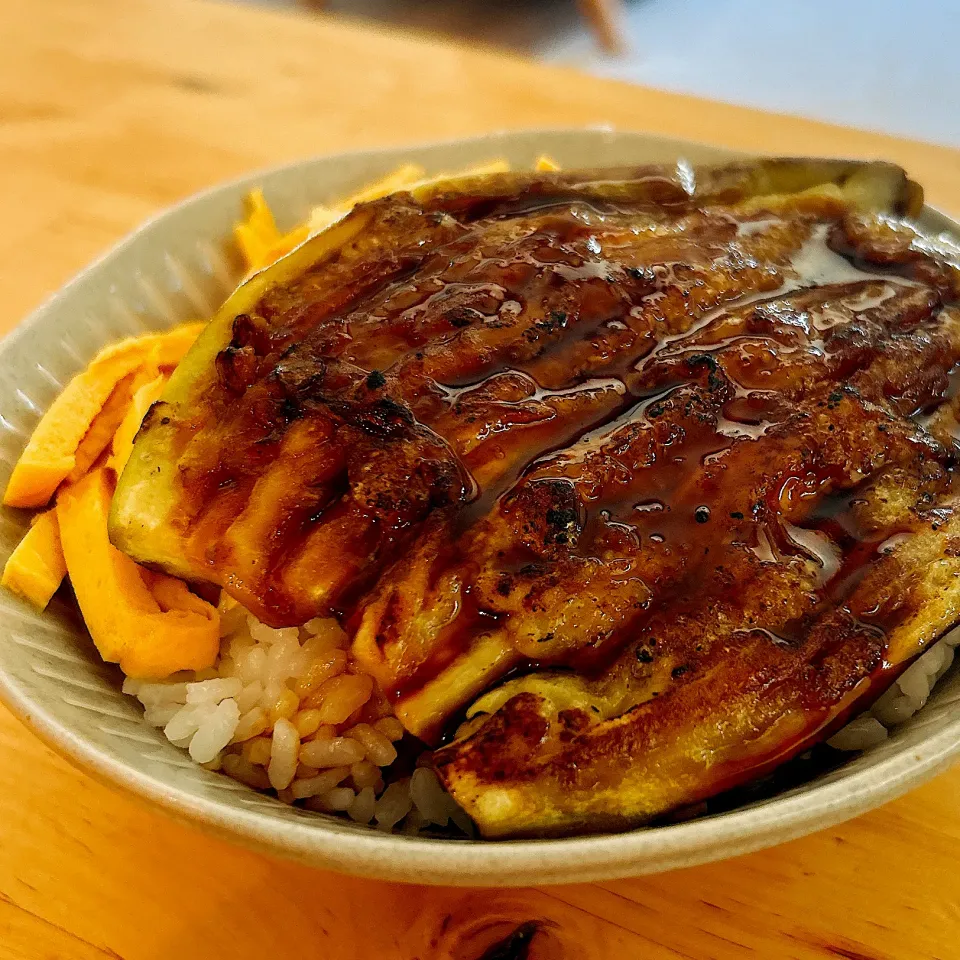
x: 179, y: 266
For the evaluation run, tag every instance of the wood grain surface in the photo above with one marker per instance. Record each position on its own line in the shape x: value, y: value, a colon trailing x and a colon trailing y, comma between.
x: 112, y: 109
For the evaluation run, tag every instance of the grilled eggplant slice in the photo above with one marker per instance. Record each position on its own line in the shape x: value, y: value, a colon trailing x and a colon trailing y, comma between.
x: 364, y: 334
x: 654, y: 462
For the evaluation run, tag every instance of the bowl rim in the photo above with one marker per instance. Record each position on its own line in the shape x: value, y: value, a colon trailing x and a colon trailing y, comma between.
x: 424, y: 860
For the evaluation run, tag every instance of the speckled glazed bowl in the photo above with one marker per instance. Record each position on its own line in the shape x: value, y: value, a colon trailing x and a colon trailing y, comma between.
x: 180, y: 266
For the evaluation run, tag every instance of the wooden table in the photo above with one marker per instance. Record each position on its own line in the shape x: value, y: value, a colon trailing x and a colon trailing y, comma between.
x: 111, y: 109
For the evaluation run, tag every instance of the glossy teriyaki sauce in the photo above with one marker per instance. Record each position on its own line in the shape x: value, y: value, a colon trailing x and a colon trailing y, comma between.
x: 579, y: 396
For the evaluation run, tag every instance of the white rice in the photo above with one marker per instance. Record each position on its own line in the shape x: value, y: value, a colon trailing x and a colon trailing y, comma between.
x: 283, y: 711
x: 902, y: 700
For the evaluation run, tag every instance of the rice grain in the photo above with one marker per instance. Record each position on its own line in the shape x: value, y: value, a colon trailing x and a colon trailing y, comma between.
x: 307, y: 722
x: 216, y: 733
x: 390, y: 727
x: 330, y: 664
x: 859, y: 734
x: 252, y: 724
x: 364, y: 774
x: 160, y: 716
x: 186, y: 721
x: 322, y: 783
x: 213, y: 691
x: 362, y: 808
x: 394, y: 805
x: 379, y: 749
x: 339, y: 799
x: 158, y: 694
x: 258, y: 750
x: 252, y: 665
x: 340, y: 751
x: 235, y: 766
x: 284, y: 706
x: 283, y: 754
x: 340, y: 696
x: 249, y: 697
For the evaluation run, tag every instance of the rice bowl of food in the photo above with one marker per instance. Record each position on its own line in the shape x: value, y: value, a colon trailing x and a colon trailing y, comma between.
x: 396, y: 567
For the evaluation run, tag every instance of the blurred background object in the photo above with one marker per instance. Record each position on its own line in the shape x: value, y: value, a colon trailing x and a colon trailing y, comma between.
x: 606, y: 16
x: 876, y: 64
